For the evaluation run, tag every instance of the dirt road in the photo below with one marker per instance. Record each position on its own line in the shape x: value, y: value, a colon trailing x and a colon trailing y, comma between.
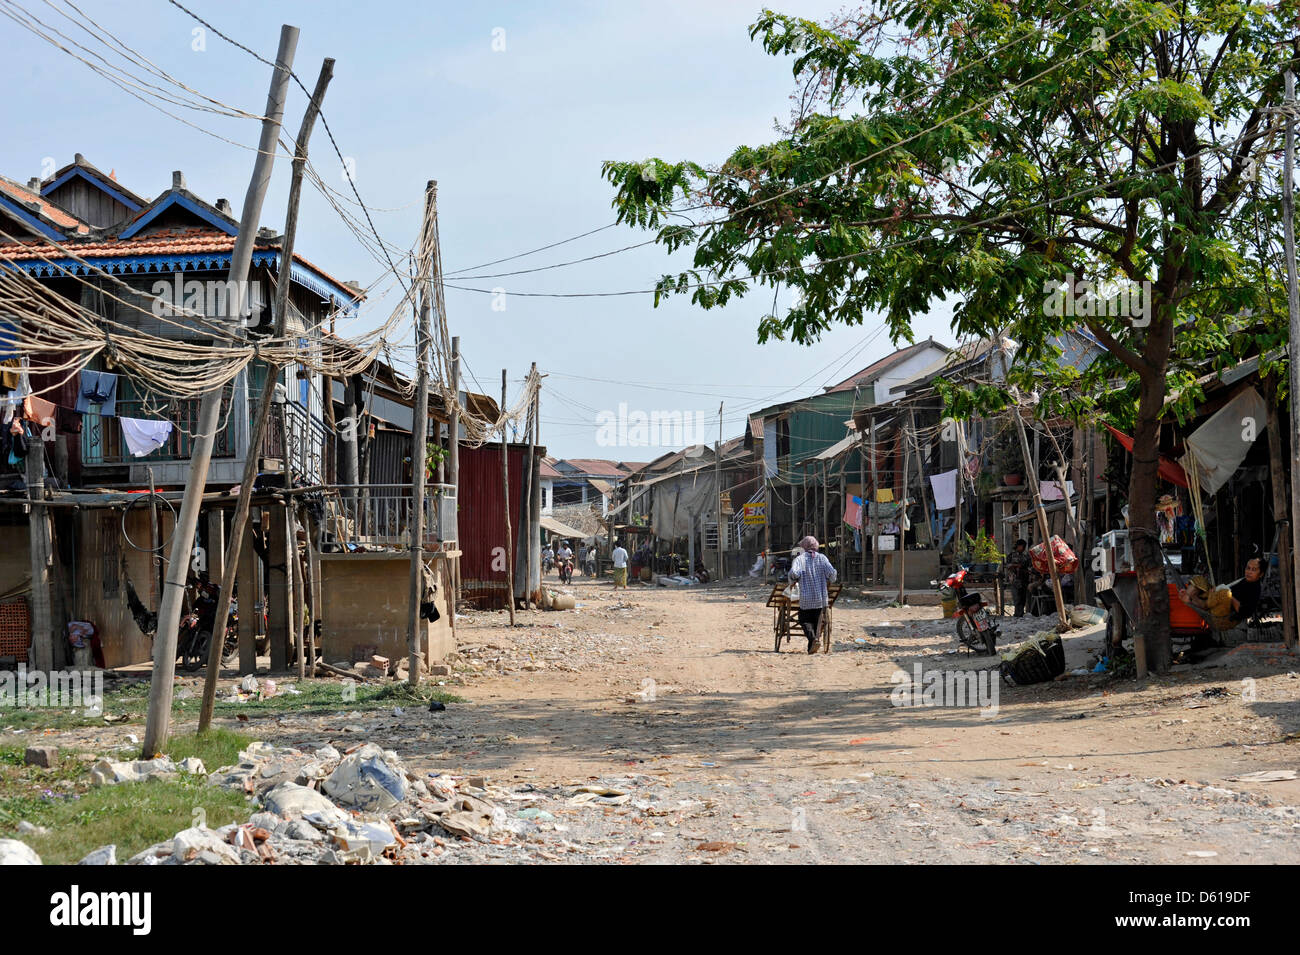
x: 676, y: 696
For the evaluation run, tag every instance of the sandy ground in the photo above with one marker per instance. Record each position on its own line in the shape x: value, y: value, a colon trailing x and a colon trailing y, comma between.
x: 814, y: 747
x: 728, y: 751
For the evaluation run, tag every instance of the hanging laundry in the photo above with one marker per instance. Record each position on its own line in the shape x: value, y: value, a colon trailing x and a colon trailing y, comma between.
x: 945, y: 489
x: 97, y: 388
x: 144, y: 436
x: 17, y: 442
x: 39, y: 410
x: 1051, y: 490
x: 10, y: 369
x: 853, y: 511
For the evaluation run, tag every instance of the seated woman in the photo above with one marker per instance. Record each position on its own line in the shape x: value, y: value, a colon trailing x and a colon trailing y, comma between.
x: 1227, y: 607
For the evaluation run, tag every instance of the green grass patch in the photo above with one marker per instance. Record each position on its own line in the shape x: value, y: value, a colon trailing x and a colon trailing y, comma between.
x: 216, y: 747
x: 131, y: 816
x: 130, y: 700
x: 323, y: 698
x: 320, y: 697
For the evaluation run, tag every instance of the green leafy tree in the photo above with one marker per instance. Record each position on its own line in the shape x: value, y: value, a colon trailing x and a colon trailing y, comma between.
x: 1048, y: 165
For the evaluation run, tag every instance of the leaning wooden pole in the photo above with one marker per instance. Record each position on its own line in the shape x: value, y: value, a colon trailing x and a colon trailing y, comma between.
x: 158, y: 722
x: 258, y: 431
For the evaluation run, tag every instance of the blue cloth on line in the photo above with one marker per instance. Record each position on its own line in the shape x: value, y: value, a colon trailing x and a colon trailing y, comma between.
x: 97, y: 388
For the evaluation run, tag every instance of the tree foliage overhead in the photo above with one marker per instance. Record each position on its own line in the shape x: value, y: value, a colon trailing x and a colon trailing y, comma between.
x: 982, y: 151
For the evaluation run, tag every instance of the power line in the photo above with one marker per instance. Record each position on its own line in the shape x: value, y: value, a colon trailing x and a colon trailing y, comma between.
x: 1033, y: 34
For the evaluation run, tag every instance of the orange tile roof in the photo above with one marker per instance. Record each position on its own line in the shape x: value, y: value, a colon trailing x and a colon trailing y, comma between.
x: 48, y: 209
x: 182, y: 241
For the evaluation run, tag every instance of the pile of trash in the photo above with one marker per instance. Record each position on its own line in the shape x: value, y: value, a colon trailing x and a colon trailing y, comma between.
x: 327, y: 807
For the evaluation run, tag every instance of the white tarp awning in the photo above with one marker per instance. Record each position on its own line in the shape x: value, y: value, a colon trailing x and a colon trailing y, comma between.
x: 1222, y: 443
x: 561, y: 529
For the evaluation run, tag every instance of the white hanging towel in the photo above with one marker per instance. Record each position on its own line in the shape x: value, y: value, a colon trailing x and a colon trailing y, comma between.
x: 945, y: 489
x: 143, y: 435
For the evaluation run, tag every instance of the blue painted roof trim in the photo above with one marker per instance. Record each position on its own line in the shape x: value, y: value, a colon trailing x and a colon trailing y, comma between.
x: 197, y: 262
x: 324, y: 287
x: 17, y: 209
x: 78, y: 172
x: 176, y: 199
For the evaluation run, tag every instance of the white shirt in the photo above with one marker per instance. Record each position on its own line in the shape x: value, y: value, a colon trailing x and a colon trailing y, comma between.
x: 620, y: 557
x: 565, y: 553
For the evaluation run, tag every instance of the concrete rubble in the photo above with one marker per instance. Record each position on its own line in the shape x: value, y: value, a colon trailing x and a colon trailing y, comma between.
x: 323, y: 807
x: 13, y: 852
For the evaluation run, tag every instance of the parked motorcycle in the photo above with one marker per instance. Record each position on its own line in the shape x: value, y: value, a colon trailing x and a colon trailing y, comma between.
x: 977, y: 629
x: 195, y: 635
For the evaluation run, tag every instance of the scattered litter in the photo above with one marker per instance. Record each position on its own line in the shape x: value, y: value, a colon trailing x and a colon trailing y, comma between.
x: 1264, y: 776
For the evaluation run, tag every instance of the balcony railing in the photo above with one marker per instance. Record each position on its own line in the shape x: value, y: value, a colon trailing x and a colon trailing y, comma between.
x: 102, y: 441
x: 309, y: 452
x: 379, y: 517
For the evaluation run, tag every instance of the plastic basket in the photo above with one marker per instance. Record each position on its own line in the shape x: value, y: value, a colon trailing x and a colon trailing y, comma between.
x: 1035, y: 661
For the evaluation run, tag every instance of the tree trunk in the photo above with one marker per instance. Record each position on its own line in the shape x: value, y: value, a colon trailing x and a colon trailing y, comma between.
x: 1152, y: 624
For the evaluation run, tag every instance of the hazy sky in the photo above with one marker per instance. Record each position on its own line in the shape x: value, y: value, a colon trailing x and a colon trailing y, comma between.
x: 515, y: 138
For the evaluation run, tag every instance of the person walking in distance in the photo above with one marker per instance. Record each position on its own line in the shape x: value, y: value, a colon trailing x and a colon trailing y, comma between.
x: 619, y: 556
x: 812, y: 571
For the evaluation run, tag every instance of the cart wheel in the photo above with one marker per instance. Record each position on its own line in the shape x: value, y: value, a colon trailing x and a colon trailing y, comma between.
x: 825, y: 629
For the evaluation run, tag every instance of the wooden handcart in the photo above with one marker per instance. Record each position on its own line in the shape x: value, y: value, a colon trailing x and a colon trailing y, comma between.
x: 785, y: 615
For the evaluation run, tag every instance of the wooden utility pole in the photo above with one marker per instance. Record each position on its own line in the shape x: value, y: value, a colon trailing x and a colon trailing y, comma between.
x: 902, y: 518
x: 239, y: 522
x: 535, y: 499
x: 862, y: 509
x: 1293, y: 312
x: 959, y: 526
x: 1043, y: 529
x: 505, y: 484
x: 875, y: 524
x: 1281, y: 518
x: 155, y: 537
x: 158, y: 722
x: 839, y: 523
x: 717, y: 477
x: 42, y: 551
x: 420, y: 432
x: 528, y: 530
x: 921, y: 478
x: 767, y: 518
x: 453, y: 467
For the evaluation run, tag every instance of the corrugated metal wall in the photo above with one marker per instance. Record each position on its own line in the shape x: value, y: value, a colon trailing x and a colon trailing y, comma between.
x: 481, y: 518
